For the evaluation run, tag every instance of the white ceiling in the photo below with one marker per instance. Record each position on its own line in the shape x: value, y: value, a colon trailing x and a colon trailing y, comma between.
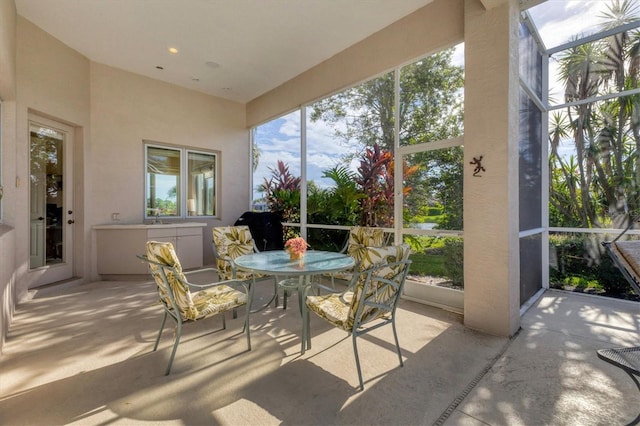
x: 257, y: 44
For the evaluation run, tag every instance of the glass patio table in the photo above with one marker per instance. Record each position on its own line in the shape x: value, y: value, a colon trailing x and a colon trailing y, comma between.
x: 298, y: 272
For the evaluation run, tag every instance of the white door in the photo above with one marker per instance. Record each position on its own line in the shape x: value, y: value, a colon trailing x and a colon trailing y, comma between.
x: 51, y: 200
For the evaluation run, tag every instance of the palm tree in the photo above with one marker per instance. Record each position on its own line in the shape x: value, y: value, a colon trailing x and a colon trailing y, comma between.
x: 601, y: 131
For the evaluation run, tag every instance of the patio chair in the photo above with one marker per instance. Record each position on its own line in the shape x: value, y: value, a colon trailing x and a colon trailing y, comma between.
x: 368, y: 303
x: 627, y: 359
x: 180, y: 304
x: 359, y: 239
x: 229, y: 243
x: 626, y: 256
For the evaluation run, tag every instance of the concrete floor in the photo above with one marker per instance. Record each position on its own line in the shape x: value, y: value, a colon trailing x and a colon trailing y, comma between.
x: 82, y: 355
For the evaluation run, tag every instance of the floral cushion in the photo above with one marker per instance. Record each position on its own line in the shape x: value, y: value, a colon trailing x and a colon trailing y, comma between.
x: 340, y: 309
x: 192, y: 306
x: 232, y: 242
x: 164, y: 253
x: 217, y: 299
x: 360, y: 238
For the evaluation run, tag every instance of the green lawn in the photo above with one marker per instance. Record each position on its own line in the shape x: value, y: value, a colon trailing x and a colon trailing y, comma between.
x: 427, y: 264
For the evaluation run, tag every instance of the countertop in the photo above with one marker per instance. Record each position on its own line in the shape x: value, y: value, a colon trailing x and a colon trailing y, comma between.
x: 151, y: 226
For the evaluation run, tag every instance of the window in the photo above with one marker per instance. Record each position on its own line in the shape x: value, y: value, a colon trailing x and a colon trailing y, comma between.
x: 180, y: 182
x: 579, y: 99
x: 332, y: 163
x: 277, y: 169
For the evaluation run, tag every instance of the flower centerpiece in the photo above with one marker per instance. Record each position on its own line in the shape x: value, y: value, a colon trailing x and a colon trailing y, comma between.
x: 296, y: 247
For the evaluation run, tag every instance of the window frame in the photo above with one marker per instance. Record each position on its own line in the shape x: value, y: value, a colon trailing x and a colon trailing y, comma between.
x: 400, y: 151
x: 182, y: 189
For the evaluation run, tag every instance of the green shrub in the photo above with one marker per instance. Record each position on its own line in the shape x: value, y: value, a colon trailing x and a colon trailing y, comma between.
x: 453, y: 252
x: 611, y: 279
x: 580, y: 259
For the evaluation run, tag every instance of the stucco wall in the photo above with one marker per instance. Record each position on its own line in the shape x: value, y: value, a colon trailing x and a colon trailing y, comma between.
x: 127, y: 109
x: 7, y: 50
x: 434, y: 27
x: 491, y: 126
x: 52, y: 82
x: 491, y: 246
x: 111, y: 112
x: 7, y: 145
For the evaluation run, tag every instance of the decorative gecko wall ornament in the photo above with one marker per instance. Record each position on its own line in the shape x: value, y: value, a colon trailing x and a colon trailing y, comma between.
x: 477, y: 162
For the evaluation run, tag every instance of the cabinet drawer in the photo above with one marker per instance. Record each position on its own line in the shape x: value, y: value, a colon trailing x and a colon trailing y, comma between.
x: 161, y: 232
x: 188, y: 231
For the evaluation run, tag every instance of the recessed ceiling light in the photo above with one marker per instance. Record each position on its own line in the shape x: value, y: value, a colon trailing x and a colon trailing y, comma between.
x: 196, y: 79
x: 159, y: 67
x: 226, y: 88
x: 212, y: 64
x: 173, y: 50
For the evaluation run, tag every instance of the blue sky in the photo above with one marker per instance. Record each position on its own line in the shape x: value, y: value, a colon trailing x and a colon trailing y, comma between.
x: 280, y: 140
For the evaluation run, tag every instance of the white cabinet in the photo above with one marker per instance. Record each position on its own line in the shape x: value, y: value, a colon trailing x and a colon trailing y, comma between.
x: 118, y: 246
x: 186, y: 241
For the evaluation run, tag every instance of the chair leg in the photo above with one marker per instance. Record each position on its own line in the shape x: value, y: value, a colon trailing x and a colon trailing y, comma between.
x: 224, y: 318
x: 275, y: 291
x: 246, y: 328
x: 306, y: 335
x: 355, y: 352
x: 395, y: 335
x: 284, y: 298
x: 164, y: 320
x: 175, y: 347
x: 246, y: 314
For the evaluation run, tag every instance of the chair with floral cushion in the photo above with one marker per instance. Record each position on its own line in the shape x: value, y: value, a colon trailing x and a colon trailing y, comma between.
x: 368, y: 303
x: 229, y: 243
x: 360, y: 238
x: 181, y: 304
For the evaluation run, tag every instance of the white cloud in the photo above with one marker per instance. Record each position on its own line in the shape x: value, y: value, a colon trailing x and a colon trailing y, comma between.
x: 560, y: 20
x: 291, y: 125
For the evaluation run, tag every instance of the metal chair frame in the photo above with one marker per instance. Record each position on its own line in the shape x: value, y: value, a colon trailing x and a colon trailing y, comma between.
x: 372, y: 285
x: 173, y: 311
x: 234, y: 268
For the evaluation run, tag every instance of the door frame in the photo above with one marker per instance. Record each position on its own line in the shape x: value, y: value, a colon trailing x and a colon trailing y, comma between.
x: 47, y: 274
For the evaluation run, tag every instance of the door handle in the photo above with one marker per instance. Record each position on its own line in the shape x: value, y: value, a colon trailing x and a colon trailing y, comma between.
x: 41, y: 218
x: 71, y: 221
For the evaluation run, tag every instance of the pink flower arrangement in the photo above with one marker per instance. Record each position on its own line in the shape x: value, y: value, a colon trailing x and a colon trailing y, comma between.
x: 297, y: 246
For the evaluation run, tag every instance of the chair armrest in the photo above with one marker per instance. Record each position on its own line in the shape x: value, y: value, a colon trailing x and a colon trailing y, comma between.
x: 346, y: 245
x: 193, y: 275
x: 234, y: 268
x: 201, y: 270
x: 235, y: 283
x: 319, y: 286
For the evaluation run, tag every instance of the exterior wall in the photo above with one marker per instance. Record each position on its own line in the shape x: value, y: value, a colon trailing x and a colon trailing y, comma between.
x: 491, y: 276
x: 52, y: 81
x: 113, y: 111
x: 489, y: 30
x: 433, y: 27
x: 127, y: 108
x: 7, y: 145
x: 7, y: 50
